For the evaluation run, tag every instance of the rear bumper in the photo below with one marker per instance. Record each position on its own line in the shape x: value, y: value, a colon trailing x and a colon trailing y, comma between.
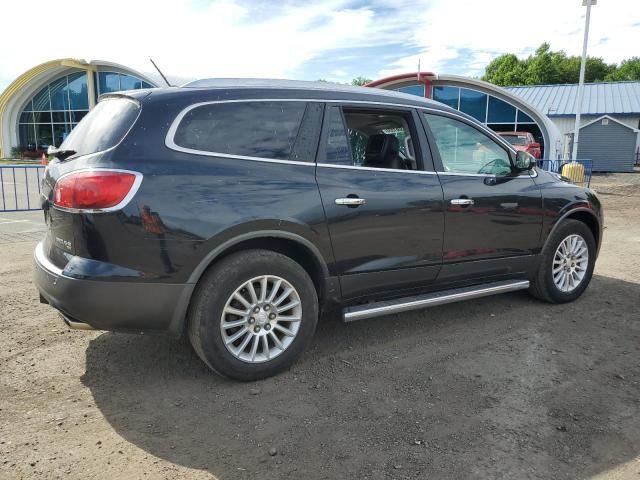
x: 111, y: 305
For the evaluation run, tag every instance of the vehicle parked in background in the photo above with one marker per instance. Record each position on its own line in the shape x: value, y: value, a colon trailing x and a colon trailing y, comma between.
x: 523, y: 141
x: 238, y: 211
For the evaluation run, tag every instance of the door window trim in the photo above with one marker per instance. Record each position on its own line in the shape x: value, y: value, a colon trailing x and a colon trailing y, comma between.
x: 416, y: 109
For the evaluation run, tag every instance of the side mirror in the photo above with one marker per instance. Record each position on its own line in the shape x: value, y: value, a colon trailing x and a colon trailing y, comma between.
x: 524, y: 161
x: 534, y: 145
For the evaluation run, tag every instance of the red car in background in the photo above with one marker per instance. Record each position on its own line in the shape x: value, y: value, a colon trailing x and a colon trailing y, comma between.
x: 523, y: 141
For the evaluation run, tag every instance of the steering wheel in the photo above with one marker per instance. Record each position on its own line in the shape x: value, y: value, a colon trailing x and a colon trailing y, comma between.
x: 498, y: 162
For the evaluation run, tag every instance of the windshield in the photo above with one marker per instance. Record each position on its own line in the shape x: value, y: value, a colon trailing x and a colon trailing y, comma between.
x: 104, y: 127
x: 516, y: 139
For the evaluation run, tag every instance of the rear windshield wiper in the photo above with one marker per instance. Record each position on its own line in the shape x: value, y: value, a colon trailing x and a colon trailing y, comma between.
x: 61, y: 154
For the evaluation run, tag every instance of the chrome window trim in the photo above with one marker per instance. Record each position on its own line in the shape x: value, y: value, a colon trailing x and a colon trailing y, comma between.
x: 170, y: 143
x: 123, y: 203
x: 375, y: 169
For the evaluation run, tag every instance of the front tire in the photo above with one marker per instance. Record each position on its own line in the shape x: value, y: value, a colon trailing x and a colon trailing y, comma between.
x: 567, y: 264
x: 253, y: 314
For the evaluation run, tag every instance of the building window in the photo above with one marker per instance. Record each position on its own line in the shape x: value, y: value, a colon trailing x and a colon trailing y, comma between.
x: 474, y: 103
x: 447, y: 95
x: 48, y: 118
x: 412, y: 90
x: 109, y: 82
x: 500, y: 111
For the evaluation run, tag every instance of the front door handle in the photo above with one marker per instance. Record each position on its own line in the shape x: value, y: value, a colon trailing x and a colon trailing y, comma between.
x: 351, y: 201
x: 462, y: 201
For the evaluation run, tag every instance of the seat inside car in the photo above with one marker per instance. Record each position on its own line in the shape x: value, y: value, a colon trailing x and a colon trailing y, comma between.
x: 382, y: 152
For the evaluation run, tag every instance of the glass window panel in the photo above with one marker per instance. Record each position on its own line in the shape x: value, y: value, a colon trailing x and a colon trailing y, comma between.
x: 108, y: 82
x: 29, y: 106
x: 41, y: 100
x: 26, y: 117
x: 78, y: 91
x: 413, y: 90
x: 59, y: 96
x: 45, y: 137
x: 254, y: 129
x: 463, y: 149
x: 60, y: 133
x: 42, y: 117
x: 103, y: 127
x: 446, y: 95
x: 146, y: 85
x: 27, y: 136
x: 127, y: 82
x: 473, y: 103
x: 77, y: 115
x: 500, y: 111
x: 524, y: 118
x: 337, y: 143
x: 59, y: 117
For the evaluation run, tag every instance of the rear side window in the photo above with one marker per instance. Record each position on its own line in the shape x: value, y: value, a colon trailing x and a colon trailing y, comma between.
x: 104, y: 127
x: 270, y: 130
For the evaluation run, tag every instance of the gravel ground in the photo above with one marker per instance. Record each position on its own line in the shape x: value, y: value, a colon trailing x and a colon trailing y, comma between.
x: 502, y: 387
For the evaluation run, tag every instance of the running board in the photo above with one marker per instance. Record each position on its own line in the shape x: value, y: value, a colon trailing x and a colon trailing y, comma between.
x: 379, y: 309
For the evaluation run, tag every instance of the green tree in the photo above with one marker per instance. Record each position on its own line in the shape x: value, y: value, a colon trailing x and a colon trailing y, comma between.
x: 545, y: 67
x: 360, y: 81
x: 505, y: 70
x: 628, y: 70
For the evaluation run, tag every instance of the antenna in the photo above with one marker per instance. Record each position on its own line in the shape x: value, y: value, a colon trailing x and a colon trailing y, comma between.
x: 160, y: 72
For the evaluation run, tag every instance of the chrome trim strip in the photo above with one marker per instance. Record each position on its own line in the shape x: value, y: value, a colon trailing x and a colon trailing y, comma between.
x: 169, y: 138
x: 356, y: 167
x: 134, y: 189
x: 430, y: 300
x: 486, y: 175
x: 44, y: 262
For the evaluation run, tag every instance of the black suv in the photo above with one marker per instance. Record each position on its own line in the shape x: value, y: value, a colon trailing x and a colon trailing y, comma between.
x: 238, y: 211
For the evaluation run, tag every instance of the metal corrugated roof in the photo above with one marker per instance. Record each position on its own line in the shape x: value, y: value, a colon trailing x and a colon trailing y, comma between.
x: 599, y: 98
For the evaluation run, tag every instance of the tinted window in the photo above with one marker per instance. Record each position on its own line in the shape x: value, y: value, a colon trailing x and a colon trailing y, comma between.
x: 103, y: 127
x: 337, y: 143
x: 252, y: 129
x: 463, y: 149
x: 473, y: 103
x: 500, y: 111
x: 447, y: 95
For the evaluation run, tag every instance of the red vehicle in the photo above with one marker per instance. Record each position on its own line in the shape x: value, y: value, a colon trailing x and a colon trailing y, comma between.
x: 523, y: 141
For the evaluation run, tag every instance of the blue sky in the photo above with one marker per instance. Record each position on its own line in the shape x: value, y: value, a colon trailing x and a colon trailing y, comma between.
x: 331, y: 39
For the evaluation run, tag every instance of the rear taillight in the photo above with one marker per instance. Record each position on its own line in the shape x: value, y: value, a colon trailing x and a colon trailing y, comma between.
x: 95, y: 189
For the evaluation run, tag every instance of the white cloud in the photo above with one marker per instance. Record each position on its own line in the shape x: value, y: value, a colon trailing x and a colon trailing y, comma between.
x: 228, y: 38
x: 474, y: 32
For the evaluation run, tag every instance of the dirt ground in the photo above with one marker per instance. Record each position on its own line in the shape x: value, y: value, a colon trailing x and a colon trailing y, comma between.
x: 502, y: 387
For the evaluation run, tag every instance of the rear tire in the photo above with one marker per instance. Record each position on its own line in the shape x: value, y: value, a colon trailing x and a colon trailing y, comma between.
x: 567, y: 264
x: 253, y: 314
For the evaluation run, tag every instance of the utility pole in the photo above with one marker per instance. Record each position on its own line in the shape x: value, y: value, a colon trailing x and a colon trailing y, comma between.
x: 583, y: 63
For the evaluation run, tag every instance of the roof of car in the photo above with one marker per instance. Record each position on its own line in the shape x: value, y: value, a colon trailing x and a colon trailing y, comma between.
x: 323, y: 88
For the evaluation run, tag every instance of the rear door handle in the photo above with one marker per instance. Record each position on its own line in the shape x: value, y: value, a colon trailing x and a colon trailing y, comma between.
x: 350, y: 201
x: 462, y: 201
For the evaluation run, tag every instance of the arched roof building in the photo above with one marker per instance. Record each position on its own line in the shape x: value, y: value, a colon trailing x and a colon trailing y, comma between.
x: 41, y: 106
x: 499, y: 109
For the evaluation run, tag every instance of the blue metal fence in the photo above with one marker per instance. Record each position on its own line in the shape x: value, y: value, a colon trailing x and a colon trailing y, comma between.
x: 20, y: 187
x: 579, y: 174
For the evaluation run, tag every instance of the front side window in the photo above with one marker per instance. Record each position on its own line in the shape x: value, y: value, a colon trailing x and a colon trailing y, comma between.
x: 369, y: 139
x: 463, y: 149
x: 268, y: 130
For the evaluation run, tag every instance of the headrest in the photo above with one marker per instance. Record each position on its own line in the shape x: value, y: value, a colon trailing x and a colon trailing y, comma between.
x: 380, y: 148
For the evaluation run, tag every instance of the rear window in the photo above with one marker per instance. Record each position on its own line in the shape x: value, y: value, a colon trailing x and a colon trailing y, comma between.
x: 104, y: 127
x: 268, y: 130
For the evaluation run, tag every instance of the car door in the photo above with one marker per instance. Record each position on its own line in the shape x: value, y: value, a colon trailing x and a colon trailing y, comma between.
x: 385, y: 215
x: 493, y: 214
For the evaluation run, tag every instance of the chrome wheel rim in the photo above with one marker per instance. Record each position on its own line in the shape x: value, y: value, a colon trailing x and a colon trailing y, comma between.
x: 261, y: 319
x: 570, y: 263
